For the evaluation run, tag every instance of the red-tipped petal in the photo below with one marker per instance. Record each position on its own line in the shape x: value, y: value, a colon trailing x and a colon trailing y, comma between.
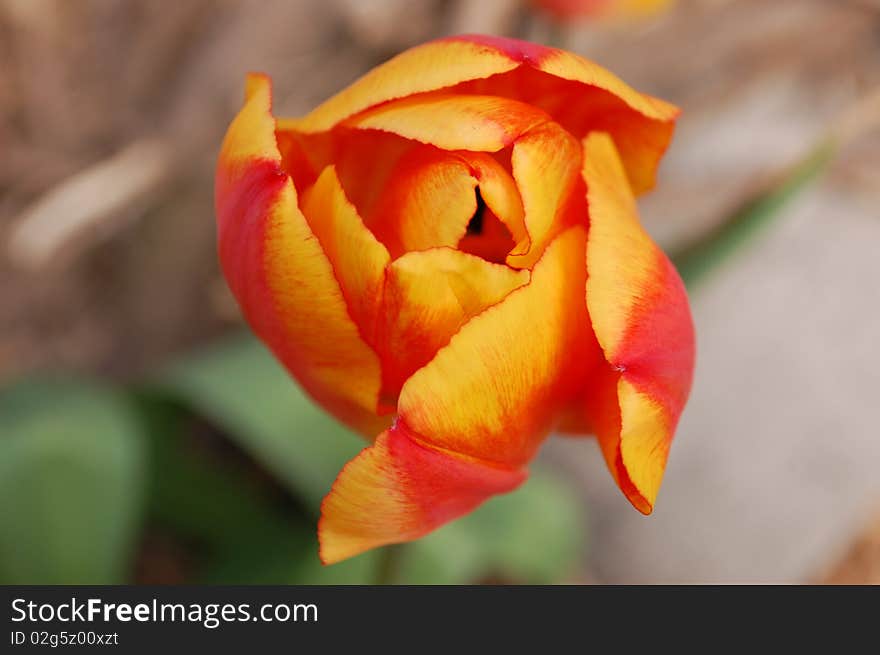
x: 472, y: 418
x: 641, y: 319
x: 399, y: 489
x: 277, y: 269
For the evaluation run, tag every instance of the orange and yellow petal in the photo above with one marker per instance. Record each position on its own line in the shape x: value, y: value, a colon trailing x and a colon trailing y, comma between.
x: 494, y: 391
x: 582, y: 96
x: 546, y: 165
x: 427, y: 203
x: 571, y: 9
x: 471, y: 419
x: 569, y: 66
x: 453, y: 122
x: 428, y: 67
x: 276, y: 266
x: 400, y: 489
x: 429, y: 295
x: 357, y: 257
x: 642, y: 322
x: 402, y: 94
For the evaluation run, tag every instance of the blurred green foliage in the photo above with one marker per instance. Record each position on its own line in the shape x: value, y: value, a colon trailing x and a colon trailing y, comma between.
x: 240, y: 386
x: 534, y: 535
x: 72, y: 482
x: 223, y: 456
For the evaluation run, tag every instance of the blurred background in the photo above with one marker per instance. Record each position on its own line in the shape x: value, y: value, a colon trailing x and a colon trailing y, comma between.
x: 145, y: 437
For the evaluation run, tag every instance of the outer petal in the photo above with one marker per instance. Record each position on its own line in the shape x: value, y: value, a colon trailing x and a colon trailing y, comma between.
x: 493, y: 392
x: 579, y: 94
x: 568, y: 66
x: 427, y: 67
x: 429, y: 295
x: 472, y: 418
x: 276, y: 268
x: 399, y: 489
x: 572, y: 9
x: 640, y: 315
x: 582, y: 96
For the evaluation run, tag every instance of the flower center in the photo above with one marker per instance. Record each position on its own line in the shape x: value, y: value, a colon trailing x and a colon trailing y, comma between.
x: 486, y: 236
x: 475, y: 225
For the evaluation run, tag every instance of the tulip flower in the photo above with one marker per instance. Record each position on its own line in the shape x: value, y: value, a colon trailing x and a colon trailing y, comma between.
x: 565, y: 10
x: 447, y: 256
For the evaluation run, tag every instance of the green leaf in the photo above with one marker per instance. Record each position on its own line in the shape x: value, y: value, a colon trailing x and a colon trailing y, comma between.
x: 241, y: 530
x: 705, y: 254
x: 534, y: 535
x: 241, y: 388
x: 72, y: 470
x: 198, y: 498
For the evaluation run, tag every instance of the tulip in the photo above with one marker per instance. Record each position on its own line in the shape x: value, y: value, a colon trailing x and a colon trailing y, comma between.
x: 447, y: 256
x: 565, y: 10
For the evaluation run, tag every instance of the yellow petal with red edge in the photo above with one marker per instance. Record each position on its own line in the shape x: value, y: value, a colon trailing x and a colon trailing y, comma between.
x: 427, y: 202
x: 453, y: 122
x: 569, y: 66
x: 640, y: 315
x: 473, y: 417
x: 399, y: 489
x: 427, y: 67
x: 546, y: 164
x: 357, y: 257
x: 251, y: 136
x: 602, y: 9
x: 277, y: 270
x: 429, y: 295
x: 494, y: 391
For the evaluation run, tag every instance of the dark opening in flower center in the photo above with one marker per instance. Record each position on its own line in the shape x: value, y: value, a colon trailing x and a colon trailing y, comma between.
x: 475, y: 226
x: 486, y: 236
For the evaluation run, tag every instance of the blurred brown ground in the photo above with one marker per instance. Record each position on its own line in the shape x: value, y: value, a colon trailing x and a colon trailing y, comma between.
x: 117, y: 86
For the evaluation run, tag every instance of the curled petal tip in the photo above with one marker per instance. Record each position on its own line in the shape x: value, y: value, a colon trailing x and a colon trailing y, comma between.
x: 255, y: 83
x: 641, y: 318
x: 399, y: 489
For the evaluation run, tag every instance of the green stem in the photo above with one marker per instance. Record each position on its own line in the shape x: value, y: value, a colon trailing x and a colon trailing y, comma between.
x: 388, y: 567
x: 704, y: 255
